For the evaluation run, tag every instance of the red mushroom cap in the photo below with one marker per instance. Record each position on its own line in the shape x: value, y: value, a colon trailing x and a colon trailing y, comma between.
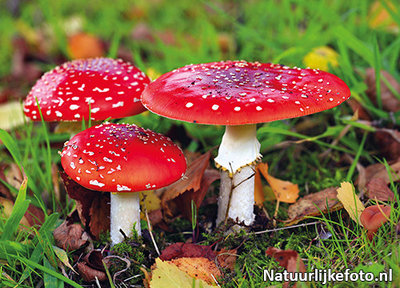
x: 122, y: 158
x: 372, y: 217
x: 240, y: 92
x: 112, y: 87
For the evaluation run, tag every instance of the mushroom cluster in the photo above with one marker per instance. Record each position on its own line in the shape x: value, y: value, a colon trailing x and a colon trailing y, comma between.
x: 240, y: 94
x: 122, y: 159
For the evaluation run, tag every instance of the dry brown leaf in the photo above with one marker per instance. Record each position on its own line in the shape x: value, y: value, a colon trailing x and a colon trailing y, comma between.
x: 70, y: 236
x: 313, y: 204
x: 198, y: 268
x: 288, y: 259
x: 284, y: 191
x: 377, y: 189
x: 90, y: 274
x: 84, y: 45
x: 388, y: 143
x: 389, y: 101
x: 188, y: 250
x: 93, y: 206
x: 227, y: 258
x: 193, y: 186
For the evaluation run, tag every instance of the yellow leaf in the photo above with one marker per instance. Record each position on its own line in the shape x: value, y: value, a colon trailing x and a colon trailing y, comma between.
x: 350, y: 201
x: 284, y: 191
x: 166, y: 274
x: 321, y: 58
x: 11, y: 115
x: 62, y: 255
x: 150, y: 200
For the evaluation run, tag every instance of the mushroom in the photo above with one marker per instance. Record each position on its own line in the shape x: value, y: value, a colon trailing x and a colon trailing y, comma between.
x: 122, y: 159
x: 373, y: 217
x: 100, y: 87
x: 240, y: 94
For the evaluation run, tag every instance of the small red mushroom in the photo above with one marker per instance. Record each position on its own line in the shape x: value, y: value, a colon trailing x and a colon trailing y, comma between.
x: 373, y: 217
x: 240, y: 94
x: 102, y: 87
x: 122, y: 159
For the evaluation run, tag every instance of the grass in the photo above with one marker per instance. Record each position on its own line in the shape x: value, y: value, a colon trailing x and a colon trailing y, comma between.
x: 266, y: 31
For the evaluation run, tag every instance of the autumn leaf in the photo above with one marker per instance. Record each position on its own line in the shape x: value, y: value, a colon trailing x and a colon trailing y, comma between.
x: 193, y: 186
x: 380, y: 18
x: 351, y: 202
x: 321, y: 58
x: 187, y: 250
x: 377, y: 189
x: 284, y: 191
x: 11, y: 115
x: 313, y: 205
x: 166, y: 274
x: 83, y: 45
x: 389, y: 100
x: 70, y: 236
x: 288, y: 259
x: 93, y: 206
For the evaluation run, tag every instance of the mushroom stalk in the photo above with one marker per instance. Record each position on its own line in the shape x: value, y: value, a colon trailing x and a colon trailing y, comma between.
x: 237, y: 154
x: 125, y: 212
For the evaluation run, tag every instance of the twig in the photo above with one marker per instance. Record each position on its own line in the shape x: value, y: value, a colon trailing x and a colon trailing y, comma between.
x: 285, y: 228
x: 150, y: 231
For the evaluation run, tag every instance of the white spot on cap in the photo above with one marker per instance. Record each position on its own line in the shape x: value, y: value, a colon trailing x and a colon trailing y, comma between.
x: 215, y: 107
x: 189, y: 105
x: 101, y: 90
x: 96, y: 183
x: 123, y: 188
x: 73, y: 107
x: 237, y: 108
x: 72, y: 164
x: 258, y: 108
x: 119, y: 104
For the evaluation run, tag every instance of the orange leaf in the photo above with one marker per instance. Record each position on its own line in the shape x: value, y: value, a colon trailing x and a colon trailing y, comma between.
x: 284, y: 191
x: 199, y: 268
x: 258, y: 190
x: 83, y: 45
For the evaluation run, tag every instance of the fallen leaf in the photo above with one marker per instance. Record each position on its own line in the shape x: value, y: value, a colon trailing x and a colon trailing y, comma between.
x: 259, y: 197
x: 313, y: 205
x: 227, y: 258
x: 93, y: 206
x: 198, y: 268
x: 188, y: 250
x: 377, y: 189
x: 11, y: 115
x: 90, y: 274
x: 284, y: 191
x: 63, y: 257
x: 379, y: 170
x: 150, y: 200
x: 388, y: 143
x: 321, y: 58
x: 193, y: 186
x: 33, y: 216
x: 350, y: 201
x: 380, y: 18
x: 166, y: 274
x: 70, y: 236
x: 288, y: 259
x: 373, y: 217
x: 84, y: 45
x: 389, y: 101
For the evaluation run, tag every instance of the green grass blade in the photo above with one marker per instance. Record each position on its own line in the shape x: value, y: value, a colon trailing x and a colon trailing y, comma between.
x: 47, y: 270
x: 11, y: 146
x: 19, y: 209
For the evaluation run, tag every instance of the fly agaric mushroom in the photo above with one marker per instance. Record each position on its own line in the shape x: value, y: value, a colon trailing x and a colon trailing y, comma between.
x: 123, y: 159
x: 101, y: 87
x: 240, y: 94
x: 373, y: 217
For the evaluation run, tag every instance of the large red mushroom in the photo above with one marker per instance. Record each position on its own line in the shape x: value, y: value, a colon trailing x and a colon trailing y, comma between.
x: 240, y: 94
x: 100, y: 87
x: 122, y: 159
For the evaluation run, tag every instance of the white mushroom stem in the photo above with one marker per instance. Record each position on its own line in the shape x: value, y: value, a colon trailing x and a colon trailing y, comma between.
x: 124, y: 213
x: 237, y: 154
